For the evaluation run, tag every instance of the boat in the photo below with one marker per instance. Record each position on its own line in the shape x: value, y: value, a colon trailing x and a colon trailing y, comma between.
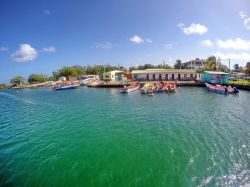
x: 133, y: 87
x: 84, y: 80
x: 222, y: 89
x: 216, y: 88
x: 65, y: 87
x: 169, y: 87
x: 159, y: 87
x: 148, y: 88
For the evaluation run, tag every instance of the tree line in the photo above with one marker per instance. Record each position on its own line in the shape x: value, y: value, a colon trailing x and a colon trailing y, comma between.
x: 212, y: 64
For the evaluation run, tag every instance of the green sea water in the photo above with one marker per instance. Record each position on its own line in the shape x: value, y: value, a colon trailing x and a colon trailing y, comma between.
x: 99, y: 137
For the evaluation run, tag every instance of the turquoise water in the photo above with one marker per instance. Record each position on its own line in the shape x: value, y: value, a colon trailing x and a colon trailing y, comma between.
x: 99, y: 137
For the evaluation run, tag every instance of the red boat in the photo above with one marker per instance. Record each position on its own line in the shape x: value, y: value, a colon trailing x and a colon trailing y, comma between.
x: 221, y: 89
x: 159, y: 87
x: 170, y: 87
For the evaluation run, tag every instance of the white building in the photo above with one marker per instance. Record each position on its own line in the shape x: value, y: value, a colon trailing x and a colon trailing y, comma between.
x: 163, y: 74
x: 194, y: 64
x: 115, y: 75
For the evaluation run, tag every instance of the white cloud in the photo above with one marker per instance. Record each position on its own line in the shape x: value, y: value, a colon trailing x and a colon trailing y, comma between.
x: 136, y: 40
x: 106, y: 45
x: 47, y: 12
x: 49, y: 49
x: 235, y: 56
x: 207, y: 43
x: 237, y: 43
x: 242, y: 14
x: 148, y: 40
x: 246, y: 19
x: 193, y: 28
x: 247, y: 23
x: 168, y: 46
x: 3, y: 49
x: 25, y: 53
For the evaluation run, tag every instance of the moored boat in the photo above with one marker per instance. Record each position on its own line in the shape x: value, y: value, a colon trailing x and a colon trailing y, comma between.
x: 65, y: 87
x: 159, y: 87
x: 148, y: 88
x: 221, y: 89
x: 133, y: 87
x: 216, y: 88
x: 169, y: 87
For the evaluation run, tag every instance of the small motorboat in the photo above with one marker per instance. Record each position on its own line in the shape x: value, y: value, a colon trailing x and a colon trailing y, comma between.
x: 222, y: 89
x: 216, y: 88
x: 148, y: 88
x: 133, y: 87
x: 170, y: 87
x: 65, y: 87
x: 159, y: 87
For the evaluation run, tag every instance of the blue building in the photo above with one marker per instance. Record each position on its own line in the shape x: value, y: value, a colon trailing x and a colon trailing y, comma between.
x: 215, y: 77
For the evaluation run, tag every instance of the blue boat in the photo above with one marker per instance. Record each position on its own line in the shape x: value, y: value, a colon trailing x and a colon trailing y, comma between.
x: 69, y: 87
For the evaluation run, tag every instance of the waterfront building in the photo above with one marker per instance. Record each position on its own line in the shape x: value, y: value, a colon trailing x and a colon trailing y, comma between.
x: 215, y: 77
x: 194, y: 64
x: 115, y: 75
x: 163, y: 74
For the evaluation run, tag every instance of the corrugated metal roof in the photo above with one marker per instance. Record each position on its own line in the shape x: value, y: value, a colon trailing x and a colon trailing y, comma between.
x: 163, y: 71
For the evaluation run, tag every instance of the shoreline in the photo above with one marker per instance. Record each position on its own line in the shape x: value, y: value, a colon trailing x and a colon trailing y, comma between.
x: 120, y: 85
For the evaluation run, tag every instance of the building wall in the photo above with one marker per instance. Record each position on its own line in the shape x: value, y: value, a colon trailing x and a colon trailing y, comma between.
x: 143, y: 77
x: 216, y: 79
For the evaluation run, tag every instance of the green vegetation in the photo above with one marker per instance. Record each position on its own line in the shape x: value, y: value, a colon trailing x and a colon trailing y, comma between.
x: 151, y: 66
x: 178, y: 65
x: 210, y: 64
x: 37, y: 78
x: 17, y: 80
x: 213, y: 65
x: 241, y: 82
x: 2, y: 86
x: 77, y: 70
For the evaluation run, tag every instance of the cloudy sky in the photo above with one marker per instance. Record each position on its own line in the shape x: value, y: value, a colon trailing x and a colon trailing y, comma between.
x: 43, y: 35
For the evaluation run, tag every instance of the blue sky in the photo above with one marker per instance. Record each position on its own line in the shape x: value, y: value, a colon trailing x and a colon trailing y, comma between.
x: 43, y: 35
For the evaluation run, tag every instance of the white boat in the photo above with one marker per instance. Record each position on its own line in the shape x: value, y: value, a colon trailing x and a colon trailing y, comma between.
x: 65, y: 87
x: 84, y: 80
x: 133, y: 87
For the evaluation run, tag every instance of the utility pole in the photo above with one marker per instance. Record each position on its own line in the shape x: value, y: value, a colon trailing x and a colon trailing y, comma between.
x: 229, y: 64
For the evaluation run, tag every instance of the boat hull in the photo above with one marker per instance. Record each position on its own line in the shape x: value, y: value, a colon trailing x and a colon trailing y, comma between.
x: 129, y: 89
x: 218, y: 89
x: 66, y: 88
